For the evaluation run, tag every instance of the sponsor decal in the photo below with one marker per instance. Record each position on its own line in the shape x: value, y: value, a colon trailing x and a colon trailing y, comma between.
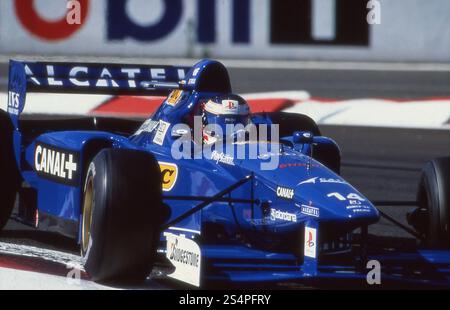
x: 318, y: 26
x: 310, y: 211
x: 174, y: 97
x: 276, y: 214
x: 50, y: 30
x: 148, y: 126
x: 13, y: 103
x: 230, y: 105
x: 359, y: 208
x: 56, y: 164
x: 169, y: 175
x: 310, y: 249
x: 95, y: 76
x: 222, y: 158
x: 361, y: 211
x: 161, y: 132
x: 354, y: 202
x: 295, y: 165
x: 322, y: 180
x: 350, y: 197
x: 226, y: 107
x: 181, y: 132
x: 195, y: 72
x: 268, y: 155
x: 185, y: 255
x: 284, y: 192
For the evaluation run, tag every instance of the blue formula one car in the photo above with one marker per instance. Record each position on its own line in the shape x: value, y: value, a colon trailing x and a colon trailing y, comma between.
x: 129, y: 197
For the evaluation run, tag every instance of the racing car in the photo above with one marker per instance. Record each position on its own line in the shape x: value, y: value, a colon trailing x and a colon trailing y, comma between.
x: 117, y: 187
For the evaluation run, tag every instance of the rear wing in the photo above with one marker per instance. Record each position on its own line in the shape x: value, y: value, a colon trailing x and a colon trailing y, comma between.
x: 90, y: 78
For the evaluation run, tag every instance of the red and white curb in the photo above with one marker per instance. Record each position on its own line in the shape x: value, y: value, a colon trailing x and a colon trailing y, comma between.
x: 418, y: 113
x: 26, y: 267
x: 424, y: 113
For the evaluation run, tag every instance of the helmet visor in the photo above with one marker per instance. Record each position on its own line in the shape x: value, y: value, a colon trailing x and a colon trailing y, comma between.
x: 225, y: 122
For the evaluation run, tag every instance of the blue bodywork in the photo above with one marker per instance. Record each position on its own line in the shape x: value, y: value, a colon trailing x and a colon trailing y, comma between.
x: 254, y: 232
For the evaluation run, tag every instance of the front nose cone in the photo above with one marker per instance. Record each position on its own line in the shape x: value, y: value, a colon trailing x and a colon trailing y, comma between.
x: 351, y: 215
x: 338, y: 202
x: 365, y: 213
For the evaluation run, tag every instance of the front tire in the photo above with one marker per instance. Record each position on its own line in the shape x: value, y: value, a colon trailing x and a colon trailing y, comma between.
x: 9, y: 174
x: 122, y: 215
x: 434, y: 203
x: 327, y: 154
x: 290, y: 122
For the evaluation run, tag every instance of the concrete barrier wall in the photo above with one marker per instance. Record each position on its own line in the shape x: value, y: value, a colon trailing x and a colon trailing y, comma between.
x: 409, y: 30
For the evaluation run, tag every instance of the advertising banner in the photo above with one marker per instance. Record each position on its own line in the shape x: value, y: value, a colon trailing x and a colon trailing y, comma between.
x: 401, y: 30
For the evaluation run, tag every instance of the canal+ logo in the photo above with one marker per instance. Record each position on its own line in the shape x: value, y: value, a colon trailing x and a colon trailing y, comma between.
x: 56, y: 164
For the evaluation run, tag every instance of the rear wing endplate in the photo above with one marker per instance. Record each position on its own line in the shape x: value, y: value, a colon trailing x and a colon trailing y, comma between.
x: 87, y: 78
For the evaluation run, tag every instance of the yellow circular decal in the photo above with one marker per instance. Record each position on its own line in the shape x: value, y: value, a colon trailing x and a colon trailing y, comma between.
x: 169, y: 175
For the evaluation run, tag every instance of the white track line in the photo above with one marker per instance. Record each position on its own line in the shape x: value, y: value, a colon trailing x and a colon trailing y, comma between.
x: 376, y: 112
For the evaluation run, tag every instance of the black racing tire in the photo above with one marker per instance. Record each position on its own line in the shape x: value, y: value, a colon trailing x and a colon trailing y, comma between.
x: 329, y: 155
x: 433, y: 198
x: 290, y: 122
x: 122, y: 216
x: 9, y: 174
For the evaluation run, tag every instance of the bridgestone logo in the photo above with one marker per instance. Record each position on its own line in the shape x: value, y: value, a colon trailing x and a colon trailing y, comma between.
x: 56, y: 164
x: 184, y: 256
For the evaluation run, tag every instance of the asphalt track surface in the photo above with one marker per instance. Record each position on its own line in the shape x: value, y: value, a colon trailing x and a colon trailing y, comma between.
x: 344, y: 84
x: 383, y: 163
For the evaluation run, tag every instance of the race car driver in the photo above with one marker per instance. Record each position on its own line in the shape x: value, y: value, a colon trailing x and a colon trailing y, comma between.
x: 222, y: 110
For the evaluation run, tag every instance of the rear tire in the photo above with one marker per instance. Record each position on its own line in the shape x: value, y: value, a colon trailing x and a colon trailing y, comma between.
x: 122, y: 215
x: 434, y: 203
x: 9, y: 174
